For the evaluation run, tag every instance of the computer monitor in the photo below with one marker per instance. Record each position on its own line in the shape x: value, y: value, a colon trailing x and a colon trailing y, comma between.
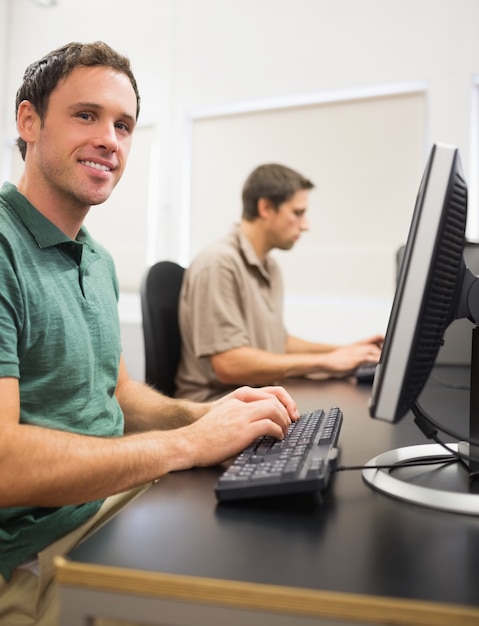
x: 434, y: 288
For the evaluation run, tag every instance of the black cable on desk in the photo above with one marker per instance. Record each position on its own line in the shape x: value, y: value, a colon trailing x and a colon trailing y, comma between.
x: 429, y: 427
x: 419, y: 461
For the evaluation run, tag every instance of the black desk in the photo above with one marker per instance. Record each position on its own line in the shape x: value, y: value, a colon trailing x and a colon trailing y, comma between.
x: 178, y: 557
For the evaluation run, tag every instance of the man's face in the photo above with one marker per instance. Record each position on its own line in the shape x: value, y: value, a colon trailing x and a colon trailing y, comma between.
x: 80, y: 151
x: 285, y: 225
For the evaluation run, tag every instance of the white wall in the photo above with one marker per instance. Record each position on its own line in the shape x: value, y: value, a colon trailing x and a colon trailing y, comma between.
x: 193, y: 55
x: 4, y: 94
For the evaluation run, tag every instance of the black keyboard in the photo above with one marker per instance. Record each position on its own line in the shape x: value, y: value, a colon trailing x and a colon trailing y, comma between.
x: 300, y: 463
x: 365, y: 373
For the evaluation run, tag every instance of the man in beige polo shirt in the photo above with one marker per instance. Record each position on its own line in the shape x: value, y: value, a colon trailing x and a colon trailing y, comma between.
x: 231, y: 301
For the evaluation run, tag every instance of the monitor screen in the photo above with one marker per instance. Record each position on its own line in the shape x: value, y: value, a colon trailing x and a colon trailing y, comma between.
x: 434, y: 288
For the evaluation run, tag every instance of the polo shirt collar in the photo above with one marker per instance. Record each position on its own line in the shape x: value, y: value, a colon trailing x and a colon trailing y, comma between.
x: 44, y: 232
x: 249, y: 253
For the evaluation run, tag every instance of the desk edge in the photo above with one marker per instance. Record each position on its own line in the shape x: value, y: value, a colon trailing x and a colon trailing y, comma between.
x: 270, y: 598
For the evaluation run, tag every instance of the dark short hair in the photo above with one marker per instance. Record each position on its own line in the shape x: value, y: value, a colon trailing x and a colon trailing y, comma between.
x: 42, y: 76
x: 277, y: 183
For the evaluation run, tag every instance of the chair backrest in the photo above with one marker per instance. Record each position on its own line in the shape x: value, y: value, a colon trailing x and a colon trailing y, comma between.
x: 160, y: 290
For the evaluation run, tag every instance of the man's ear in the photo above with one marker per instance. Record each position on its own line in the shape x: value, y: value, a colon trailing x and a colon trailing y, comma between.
x: 264, y: 207
x: 28, y: 121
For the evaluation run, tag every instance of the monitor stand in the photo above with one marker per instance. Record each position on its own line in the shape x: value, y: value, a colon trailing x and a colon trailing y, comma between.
x: 443, y: 486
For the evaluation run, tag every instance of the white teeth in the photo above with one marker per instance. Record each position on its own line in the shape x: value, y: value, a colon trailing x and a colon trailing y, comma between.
x: 97, y: 166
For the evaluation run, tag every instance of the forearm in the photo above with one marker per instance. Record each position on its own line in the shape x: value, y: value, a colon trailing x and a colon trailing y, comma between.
x: 44, y: 467
x: 296, y: 345
x: 251, y: 366
x: 145, y: 409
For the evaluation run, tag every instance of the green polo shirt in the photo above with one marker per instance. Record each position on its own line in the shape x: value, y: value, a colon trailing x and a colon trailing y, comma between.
x: 60, y: 336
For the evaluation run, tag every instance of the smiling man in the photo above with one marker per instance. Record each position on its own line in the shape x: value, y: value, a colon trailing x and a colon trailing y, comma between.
x: 78, y: 437
x: 232, y: 300
x: 78, y: 150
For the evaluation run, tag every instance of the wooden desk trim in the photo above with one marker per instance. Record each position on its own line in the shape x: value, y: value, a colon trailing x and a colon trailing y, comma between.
x: 268, y: 598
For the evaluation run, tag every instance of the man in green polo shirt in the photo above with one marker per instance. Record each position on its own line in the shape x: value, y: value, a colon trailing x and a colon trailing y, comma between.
x: 78, y: 437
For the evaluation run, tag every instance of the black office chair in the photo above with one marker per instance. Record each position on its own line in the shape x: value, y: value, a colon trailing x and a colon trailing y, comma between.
x: 160, y: 290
